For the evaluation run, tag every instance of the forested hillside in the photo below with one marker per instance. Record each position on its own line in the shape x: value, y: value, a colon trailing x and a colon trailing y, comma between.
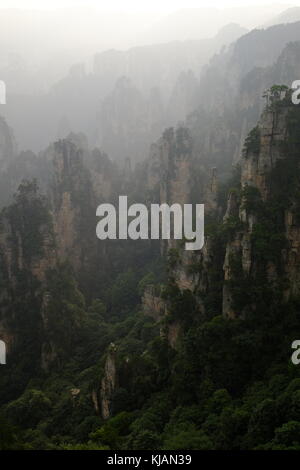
x: 142, y: 344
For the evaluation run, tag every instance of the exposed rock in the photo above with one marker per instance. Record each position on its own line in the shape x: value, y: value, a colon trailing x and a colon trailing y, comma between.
x: 232, y: 249
x: 108, y: 382
x: 211, y: 191
x: 95, y: 401
x: 232, y: 208
x: 173, y: 334
x: 184, y: 275
x: 75, y: 392
x: 256, y: 171
x: 73, y: 203
x: 152, y: 304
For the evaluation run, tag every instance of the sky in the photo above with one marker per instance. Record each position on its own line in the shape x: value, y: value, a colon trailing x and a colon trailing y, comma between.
x: 139, y: 5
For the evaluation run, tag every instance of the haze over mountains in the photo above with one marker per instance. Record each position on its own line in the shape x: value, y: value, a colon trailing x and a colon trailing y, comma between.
x: 137, y: 344
x: 287, y: 16
x: 205, y: 22
x: 67, y: 36
x: 86, y: 102
x: 53, y: 90
x: 123, y: 102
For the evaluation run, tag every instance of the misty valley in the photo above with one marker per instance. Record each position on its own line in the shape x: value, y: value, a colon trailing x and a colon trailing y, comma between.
x: 149, y: 229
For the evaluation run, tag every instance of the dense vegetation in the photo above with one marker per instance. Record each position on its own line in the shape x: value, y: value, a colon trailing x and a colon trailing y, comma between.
x: 228, y: 383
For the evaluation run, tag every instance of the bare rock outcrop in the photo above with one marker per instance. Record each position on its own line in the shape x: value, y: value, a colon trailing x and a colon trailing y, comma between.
x: 108, y: 382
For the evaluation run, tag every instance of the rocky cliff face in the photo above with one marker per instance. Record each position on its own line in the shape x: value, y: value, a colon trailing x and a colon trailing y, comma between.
x: 153, y: 304
x: 109, y: 382
x: 257, y: 243
x: 174, y: 176
x: 231, y: 91
x: 39, y: 234
x: 28, y: 251
x: 72, y: 200
x: 81, y: 180
x: 266, y: 235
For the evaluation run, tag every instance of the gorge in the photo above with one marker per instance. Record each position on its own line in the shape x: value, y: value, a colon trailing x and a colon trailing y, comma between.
x: 130, y: 342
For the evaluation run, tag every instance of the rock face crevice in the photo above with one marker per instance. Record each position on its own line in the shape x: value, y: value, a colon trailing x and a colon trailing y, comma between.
x: 265, y: 211
x: 108, y: 382
x: 260, y: 223
x: 40, y: 233
x: 176, y: 176
x: 27, y: 251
